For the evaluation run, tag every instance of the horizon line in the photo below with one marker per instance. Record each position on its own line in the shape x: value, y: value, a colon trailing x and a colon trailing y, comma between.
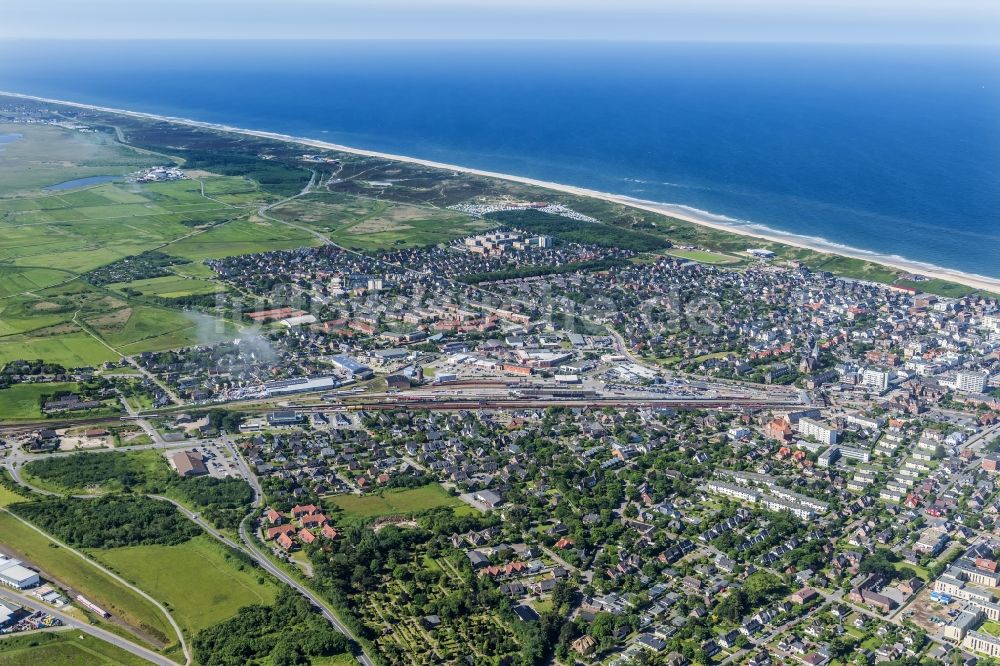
x: 992, y: 45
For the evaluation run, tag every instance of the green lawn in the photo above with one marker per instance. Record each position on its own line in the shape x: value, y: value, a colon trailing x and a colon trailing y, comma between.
x: 990, y: 627
x: 8, y: 497
x: 22, y: 401
x: 196, y: 580
x: 19, y: 279
x: 65, y: 648
x: 395, y: 502
x: 70, y: 570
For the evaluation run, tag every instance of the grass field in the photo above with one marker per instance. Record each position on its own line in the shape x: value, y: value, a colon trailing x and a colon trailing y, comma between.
x: 170, y: 286
x: 147, y: 328
x: 46, y: 155
x: 8, y: 497
x: 65, y: 648
x: 72, y: 350
x: 72, y: 571
x: 21, y: 401
x: 241, y: 237
x: 200, y: 586
x: 395, y: 502
x: 20, y: 279
x: 86, y: 230
x: 705, y: 257
x: 372, y: 224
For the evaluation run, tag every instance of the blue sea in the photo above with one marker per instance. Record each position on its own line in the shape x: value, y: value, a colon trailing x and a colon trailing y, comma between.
x: 895, y: 150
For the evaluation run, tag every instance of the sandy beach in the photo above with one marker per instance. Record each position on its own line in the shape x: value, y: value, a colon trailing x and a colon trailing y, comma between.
x: 678, y: 211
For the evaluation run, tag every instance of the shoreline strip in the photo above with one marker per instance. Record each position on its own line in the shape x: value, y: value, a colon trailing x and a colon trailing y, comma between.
x: 678, y: 211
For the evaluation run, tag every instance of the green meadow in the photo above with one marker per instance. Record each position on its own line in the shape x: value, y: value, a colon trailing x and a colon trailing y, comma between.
x: 66, y: 648
x: 373, y: 224
x: 170, y: 286
x: 23, y: 401
x: 395, y: 502
x: 69, y: 569
x: 47, y: 155
x: 199, y: 580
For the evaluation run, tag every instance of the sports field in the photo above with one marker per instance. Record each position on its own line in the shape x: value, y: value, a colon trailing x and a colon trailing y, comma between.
x: 65, y: 648
x: 395, y: 502
x: 200, y: 584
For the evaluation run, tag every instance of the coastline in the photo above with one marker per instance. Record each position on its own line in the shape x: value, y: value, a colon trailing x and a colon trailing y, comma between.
x: 678, y: 211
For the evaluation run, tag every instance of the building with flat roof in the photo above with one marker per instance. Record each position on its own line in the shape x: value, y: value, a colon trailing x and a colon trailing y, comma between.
x: 819, y: 431
x: 982, y: 643
x: 14, y: 574
x: 300, y: 385
x: 8, y: 614
x: 352, y: 367
x: 971, y: 382
x: 283, y: 418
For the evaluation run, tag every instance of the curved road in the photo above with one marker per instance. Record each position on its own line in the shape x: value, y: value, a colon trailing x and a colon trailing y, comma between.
x: 112, y: 574
x: 72, y: 622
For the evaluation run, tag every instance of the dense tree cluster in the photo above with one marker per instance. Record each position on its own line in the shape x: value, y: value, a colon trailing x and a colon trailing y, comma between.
x: 149, y: 264
x: 587, y: 233
x: 224, y: 502
x: 287, y: 633
x: 111, y: 521
x: 518, y: 272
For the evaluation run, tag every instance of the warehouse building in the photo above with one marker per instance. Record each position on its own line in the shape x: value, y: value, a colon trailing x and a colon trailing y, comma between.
x: 14, y: 574
x: 300, y: 385
x: 352, y: 367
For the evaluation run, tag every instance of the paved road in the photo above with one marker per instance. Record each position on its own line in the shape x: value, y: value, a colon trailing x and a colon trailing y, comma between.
x: 70, y: 621
x: 170, y: 618
x: 249, y: 548
x: 278, y: 573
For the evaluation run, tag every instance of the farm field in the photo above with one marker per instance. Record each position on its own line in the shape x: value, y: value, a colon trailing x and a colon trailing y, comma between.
x: 68, y: 569
x: 20, y: 279
x: 45, y: 155
x: 241, y: 237
x: 395, y: 502
x: 70, y: 350
x: 46, y: 313
x: 65, y: 648
x: 21, y: 401
x: 169, y: 286
x: 92, y: 227
x: 371, y: 224
x: 200, y: 584
x: 147, y: 328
